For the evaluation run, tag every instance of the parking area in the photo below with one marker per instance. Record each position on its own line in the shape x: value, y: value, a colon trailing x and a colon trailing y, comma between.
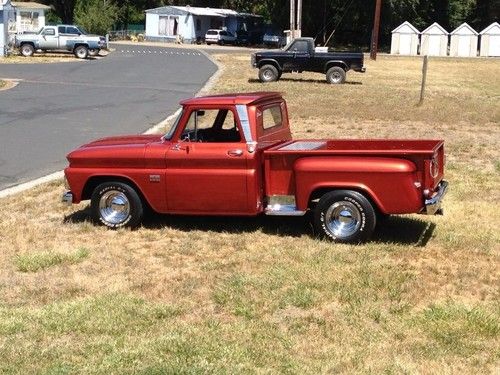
x: 57, y: 107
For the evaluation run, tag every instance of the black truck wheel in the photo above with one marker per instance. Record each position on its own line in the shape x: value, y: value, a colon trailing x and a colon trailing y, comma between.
x: 81, y: 52
x: 268, y: 73
x: 345, y: 216
x: 335, y: 75
x: 116, y: 205
x: 27, y: 49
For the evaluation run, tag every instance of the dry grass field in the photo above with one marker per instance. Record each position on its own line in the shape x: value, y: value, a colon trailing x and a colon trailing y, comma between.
x: 263, y: 295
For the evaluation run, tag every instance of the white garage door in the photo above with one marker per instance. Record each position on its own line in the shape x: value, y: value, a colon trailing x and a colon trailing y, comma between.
x: 463, y: 46
x: 405, y: 44
x: 434, y: 45
x: 494, y: 45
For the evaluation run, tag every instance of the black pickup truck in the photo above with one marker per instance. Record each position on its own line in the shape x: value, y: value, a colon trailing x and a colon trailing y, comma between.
x: 301, y: 56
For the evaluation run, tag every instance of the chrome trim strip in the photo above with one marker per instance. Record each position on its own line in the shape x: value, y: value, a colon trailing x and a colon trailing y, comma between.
x: 245, y: 123
x: 433, y: 205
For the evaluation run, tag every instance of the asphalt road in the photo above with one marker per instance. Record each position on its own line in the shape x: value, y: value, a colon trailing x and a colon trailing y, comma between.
x: 57, y: 107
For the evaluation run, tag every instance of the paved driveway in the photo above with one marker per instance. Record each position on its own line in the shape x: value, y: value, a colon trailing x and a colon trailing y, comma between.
x: 58, y: 107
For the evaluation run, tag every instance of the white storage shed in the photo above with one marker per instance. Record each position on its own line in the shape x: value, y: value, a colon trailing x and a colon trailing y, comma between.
x: 405, y: 40
x: 490, y: 40
x: 464, y: 41
x: 434, y: 41
x: 30, y: 16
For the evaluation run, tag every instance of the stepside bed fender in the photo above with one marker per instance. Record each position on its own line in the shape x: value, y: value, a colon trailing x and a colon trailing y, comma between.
x: 387, y: 182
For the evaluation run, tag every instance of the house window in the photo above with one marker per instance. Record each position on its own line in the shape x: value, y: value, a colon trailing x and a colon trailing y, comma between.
x: 168, y: 25
x: 29, y: 21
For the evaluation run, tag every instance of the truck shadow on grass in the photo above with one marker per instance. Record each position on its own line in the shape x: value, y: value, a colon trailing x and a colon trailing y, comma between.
x: 306, y: 80
x: 400, y: 230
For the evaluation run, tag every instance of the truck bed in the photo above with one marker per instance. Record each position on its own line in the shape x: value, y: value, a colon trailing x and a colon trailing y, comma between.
x: 357, y: 147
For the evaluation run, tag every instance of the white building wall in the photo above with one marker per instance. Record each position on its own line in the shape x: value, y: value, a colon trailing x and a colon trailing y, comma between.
x: 490, y: 41
x: 405, y: 40
x: 463, y: 45
x: 152, y: 24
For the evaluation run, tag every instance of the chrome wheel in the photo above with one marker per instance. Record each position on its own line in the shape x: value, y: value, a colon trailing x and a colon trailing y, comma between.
x: 343, y: 219
x: 114, y: 207
x: 268, y: 75
x: 336, y: 77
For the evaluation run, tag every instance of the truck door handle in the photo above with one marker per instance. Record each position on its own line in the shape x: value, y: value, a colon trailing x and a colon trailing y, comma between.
x: 235, y: 152
x: 177, y: 147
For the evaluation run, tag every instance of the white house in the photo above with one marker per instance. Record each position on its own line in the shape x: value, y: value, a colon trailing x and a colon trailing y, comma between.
x: 463, y: 41
x: 490, y: 40
x: 30, y: 16
x: 434, y: 41
x: 405, y: 40
x: 186, y: 23
x: 6, y: 18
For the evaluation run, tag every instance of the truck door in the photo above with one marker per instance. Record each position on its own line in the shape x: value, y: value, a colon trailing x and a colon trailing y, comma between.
x: 299, y: 56
x: 49, y: 38
x: 207, y: 165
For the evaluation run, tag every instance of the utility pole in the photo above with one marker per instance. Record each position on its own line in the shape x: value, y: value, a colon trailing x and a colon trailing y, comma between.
x: 292, y: 19
x: 299, y: 18
x: 376, y: 30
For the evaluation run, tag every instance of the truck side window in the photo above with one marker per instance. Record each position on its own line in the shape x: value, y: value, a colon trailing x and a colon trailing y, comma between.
x: 62, y: 29
x: 300, y: 46
x: 271, y: 117
x: 49, y: 31
x: 72, y: 30
x: 212, y: 126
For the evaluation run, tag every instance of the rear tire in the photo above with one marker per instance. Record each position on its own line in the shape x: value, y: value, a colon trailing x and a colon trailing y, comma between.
x: 27, y: 50
x: 81, y: 52
x: 116, y: 205
x: 268, y: 73
x: 345, y: 216
x: 335, y: 75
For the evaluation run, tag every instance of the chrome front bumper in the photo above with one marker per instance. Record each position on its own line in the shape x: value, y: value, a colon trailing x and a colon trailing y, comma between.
x: 68, y: 198
x: 433, y: 205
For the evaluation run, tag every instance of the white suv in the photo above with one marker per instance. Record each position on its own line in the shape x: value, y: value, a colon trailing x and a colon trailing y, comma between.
x: 220, y: 37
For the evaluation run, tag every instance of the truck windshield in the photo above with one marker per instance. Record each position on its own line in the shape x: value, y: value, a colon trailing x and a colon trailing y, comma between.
x: 171, y: 131
x: 82, y: 30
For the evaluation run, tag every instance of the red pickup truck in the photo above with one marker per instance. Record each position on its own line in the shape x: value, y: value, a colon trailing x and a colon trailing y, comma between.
x: 234, y: 155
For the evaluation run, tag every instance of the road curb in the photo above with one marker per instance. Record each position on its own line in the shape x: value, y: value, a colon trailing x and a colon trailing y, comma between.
x: 60, y: 174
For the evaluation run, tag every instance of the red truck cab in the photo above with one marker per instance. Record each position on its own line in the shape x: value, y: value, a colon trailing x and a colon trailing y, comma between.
x: 234, y: 155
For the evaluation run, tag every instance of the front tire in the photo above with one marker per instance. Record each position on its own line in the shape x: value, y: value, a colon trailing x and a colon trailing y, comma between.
x: 116, y: 205
x: 335, y: 75
x: 345, y: 216
x: 268, y: 73
x: 81, y: 52
x: 27, y: 50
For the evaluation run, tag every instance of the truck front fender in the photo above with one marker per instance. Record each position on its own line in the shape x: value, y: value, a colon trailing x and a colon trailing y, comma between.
x: 332, y: 63
x: 388, y: 182
x: 273, y: 62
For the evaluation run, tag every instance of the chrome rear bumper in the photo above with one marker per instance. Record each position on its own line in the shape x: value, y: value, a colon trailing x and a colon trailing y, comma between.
x: 68, y: 198
x: 433, y: 205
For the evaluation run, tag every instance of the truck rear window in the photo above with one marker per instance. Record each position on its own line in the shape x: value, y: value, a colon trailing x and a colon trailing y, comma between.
x: 271, y: 117
x: 212, y: 32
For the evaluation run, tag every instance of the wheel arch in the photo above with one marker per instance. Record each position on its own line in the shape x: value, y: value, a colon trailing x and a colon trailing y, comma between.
x: 317, y: 192
x: 338, y: 63
x: 269, y: 62
x: 95, y: 181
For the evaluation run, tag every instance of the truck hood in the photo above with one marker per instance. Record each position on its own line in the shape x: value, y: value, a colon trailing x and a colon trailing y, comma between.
x: 122, y: 151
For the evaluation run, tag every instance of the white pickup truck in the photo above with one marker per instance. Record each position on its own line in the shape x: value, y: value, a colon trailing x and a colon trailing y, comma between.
x: 61, y: 38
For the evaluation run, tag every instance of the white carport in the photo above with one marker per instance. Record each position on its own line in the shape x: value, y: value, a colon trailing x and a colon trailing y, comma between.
x: 490, y: 40
x: 464, y: 41
x: 405, y: 40
x: 434, y: 41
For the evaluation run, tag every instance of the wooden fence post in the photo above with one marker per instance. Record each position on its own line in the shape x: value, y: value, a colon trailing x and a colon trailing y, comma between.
x: 424, y: 79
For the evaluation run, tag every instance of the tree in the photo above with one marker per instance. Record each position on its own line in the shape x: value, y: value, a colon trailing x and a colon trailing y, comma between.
x: 97, y: 16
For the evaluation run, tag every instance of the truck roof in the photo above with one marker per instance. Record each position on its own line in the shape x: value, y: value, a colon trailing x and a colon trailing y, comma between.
x: 233, y: 99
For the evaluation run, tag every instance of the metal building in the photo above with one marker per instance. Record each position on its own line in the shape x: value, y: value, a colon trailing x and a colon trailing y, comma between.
x: 405, y: 40
x: 464, y: 41
x: 434, y: 41
x: 490, y: 40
